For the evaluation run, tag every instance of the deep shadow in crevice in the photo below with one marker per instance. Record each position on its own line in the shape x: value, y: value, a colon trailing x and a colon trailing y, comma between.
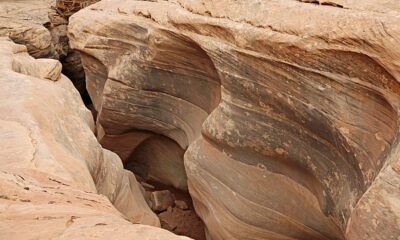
x: 158, y: 160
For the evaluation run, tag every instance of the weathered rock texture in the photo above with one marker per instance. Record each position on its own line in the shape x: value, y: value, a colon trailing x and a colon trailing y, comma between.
x: 145, y: 101
x: 38, y: 25
x: 71, y: 60
x: 303, y: 142
x: 69, y: 7
x: 23, y: 20
x: 52, y: 169
x: 59, y: 13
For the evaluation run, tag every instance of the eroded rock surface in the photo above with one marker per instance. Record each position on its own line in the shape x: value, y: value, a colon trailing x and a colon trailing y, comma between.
x: 71, y: 60
x: 23, y: 22
x: 145, y: 101
x: 41, y: 27
x: 56, y: 181
x: 299, y: 102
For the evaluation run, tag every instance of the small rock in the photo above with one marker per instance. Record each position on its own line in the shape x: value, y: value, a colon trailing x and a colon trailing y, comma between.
x: 147, y: 197
x: 181, y: 204
x: 161, y: 200
x: 146, y: 185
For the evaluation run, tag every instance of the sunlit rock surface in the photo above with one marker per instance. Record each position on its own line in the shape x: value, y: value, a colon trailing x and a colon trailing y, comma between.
x: 289, y: 109
x: 23, y: 22
x: 39, y: 26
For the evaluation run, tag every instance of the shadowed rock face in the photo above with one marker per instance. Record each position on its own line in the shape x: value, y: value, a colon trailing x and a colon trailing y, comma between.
x: 159, y: 159
x: 52, y: 169
x: 140, y: 94
x: 297, y: 105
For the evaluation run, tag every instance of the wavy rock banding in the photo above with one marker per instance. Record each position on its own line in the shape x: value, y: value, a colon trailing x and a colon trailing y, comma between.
x: 52, y: 169
x: 289, y: 110
x: 132, y: 81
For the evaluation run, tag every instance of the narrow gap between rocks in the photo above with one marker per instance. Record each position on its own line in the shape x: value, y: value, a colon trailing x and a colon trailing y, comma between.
x: 158, y: 166
x: 70, y: 59
x: 157, y: 162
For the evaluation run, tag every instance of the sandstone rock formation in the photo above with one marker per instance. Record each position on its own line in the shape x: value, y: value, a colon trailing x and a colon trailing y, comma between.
x: 299, y: 99
x: 38, y: 25
x: 69, y: 7
x: 23, y: 21
x: 161, y: 200
x: 56, y: 181
x: 72, y: 66
x: 57, y: 25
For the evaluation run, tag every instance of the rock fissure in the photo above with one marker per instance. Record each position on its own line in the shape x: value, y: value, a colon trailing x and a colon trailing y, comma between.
x: 213, y: 119
x: 346, y: 145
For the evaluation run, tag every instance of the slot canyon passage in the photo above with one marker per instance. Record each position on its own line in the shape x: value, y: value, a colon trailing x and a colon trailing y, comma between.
x: 200, y: 119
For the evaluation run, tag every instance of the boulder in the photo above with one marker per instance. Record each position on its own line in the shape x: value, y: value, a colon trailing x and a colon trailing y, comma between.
x: 288, y: 109
x: 161, y: 200
x: 56, y: 181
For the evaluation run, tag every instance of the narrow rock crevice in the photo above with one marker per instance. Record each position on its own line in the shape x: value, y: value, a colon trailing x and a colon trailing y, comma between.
x: 157, y: 160
x: 150, y: 110
x: 323, y: 3
x: 70, y: 59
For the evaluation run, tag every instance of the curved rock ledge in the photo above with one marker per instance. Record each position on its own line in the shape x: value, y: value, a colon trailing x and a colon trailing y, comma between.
x: 56, y: 181
x: 139, y: 93
x: 300, y: 103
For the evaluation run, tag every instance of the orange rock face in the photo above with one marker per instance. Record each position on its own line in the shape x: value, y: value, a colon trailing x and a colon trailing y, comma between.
x: 288, y: 109
x: 56, y: 181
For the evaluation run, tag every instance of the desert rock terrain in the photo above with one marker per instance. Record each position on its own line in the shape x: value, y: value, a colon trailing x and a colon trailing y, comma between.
x: 275, y: 119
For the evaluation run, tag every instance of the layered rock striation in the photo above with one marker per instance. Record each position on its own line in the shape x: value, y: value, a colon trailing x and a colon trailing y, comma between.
x: 42, y: 28
x: 23, y: 22
x: 56, y: 181
x: 288, y: 109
